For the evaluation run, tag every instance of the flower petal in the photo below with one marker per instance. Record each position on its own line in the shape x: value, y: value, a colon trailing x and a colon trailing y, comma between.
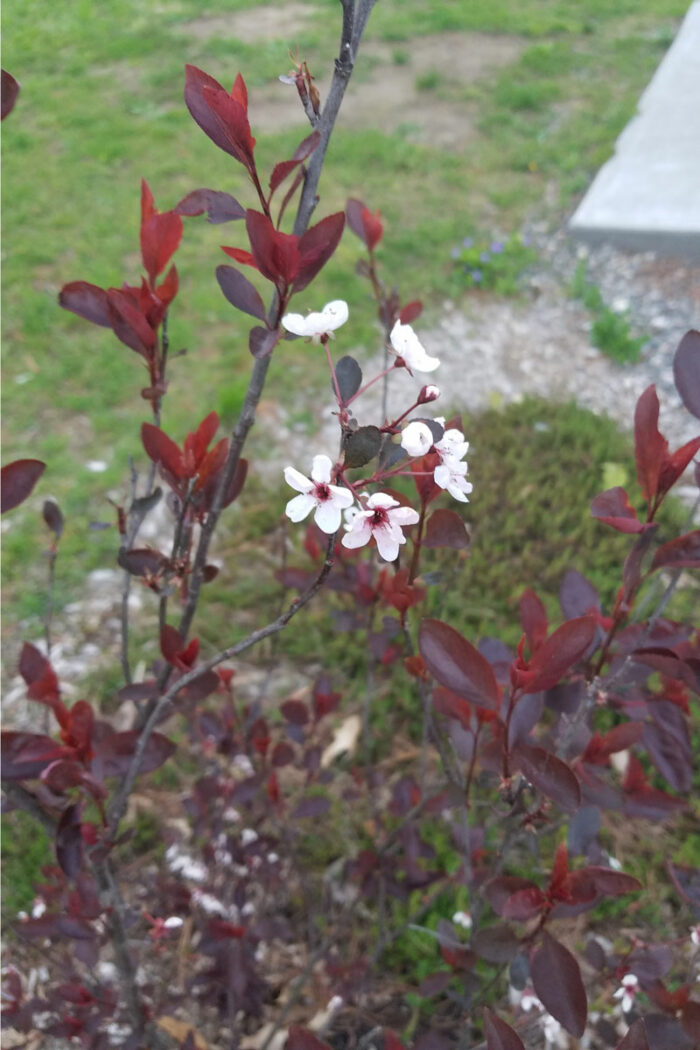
x: 321, y: 469
x: 416, y: 438
x: 387, y: 544
x: 296, y: 480
x: 341, y: 497
x: 403, y: 516
x: 327, y: 517
x: 359, y: 534
x: 382, y: 499
x: 299, y: 507
x: 295, y: 323
x: 335, y: 314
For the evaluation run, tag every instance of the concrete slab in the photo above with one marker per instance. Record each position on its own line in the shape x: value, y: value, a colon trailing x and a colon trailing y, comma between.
x: 647, y: 196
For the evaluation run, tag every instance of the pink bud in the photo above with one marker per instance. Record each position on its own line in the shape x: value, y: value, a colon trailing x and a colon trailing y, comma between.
x: 428, y: 393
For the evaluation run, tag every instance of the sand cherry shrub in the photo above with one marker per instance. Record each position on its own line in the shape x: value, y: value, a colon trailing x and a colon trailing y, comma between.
x: 487, y: 839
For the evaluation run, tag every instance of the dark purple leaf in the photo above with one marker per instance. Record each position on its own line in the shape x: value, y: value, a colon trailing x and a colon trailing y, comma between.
x: 652, y: 963
x: 282, y: 754
x: 435, y: 983
x: 220, y: 207
x: 681, y: 553
x: 650, y: 446
x: 237, y: 483
x: 446, y: 529
x: 665, y: 1033
x: 549, y: 775
x: 613, y: 507
x: 314, y: 806
x: 240, y: 292
x: 667, y: 741
x: 557, y: 655
x: 316, y: 247
x: 686, y: 881
x: 577, y: 595
x: 556, y: 978
x: 686, y: 371
x: 26, y: 755
x: 457, y: 664
x: 349, y: 376
x: 53, y: 517
x: 499, y: 1035
x: 526, y: 715
x: 497, y: 944
x: 533, y: 619
x: 583, y: 830
x: 262, y: 341
x: 295, y: 711
x: 69, y: 842
x: 87, y: 301
x: 142, y: 561
x: 690, y: 1020
x: 10, y: 91
x: 139, y: 690
x: 361, y: 445
x: 202, y: 686
x: 115, y: 754
x: 635, y: 1039
x: 17, y: 480
x: 500, y: 890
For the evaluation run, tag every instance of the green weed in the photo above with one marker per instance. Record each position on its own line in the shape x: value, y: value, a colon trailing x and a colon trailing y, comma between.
x: 610, y: 330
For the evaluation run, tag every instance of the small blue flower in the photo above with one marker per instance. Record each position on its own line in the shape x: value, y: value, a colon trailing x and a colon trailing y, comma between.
x: 468, y: 242
x: 496, y: 247
x: 455, y: 252
x: 485, y: 257
x: 477, y: 276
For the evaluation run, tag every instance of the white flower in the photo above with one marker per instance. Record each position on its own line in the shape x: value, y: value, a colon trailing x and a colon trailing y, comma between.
x: 529, y: 1001
x: 407, y: 345
x: 316, y: 325
x: 328, y: 500
x: 451, y: 475
x: 416, y: 438
x: 695, y: 935
x: 627, y: 992
x: 173, y: 922
x: 452, y: 442
x: 463, y: 919
x: 383, y: 519
x: 552, y: 1031
x: 248, y: 836
x: 349, y: 516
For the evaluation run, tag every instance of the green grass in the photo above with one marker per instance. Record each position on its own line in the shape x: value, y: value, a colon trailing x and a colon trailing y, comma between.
x: 610, y: 331
x: 25, y: 850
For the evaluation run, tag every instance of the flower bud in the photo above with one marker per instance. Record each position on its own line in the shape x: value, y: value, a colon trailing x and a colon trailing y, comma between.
x: 428, y: 393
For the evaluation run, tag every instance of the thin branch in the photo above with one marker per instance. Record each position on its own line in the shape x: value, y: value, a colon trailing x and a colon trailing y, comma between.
x: 119, y: 803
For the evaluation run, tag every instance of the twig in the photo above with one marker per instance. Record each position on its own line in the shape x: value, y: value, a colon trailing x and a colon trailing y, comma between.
x: 119, y: 803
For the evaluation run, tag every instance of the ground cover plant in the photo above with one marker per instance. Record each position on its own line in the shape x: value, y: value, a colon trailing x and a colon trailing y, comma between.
x: 277, y: 895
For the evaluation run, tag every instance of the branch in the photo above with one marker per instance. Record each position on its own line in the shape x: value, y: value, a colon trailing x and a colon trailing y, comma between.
x: 119, y: 803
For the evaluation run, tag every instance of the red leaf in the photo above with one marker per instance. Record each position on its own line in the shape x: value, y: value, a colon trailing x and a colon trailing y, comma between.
x: 316, y: 247
x: 636, y: 1037
x: 282, y: 754
x: 303, y: 1039
x: 39, y: 675
x: 632, y: 568
x: 456, y: 664
x: 219, y: 116
x: 53, y: 517
x: 613, y: 507
x: 162, y: 450
x: 549, y: 775
x: 262, y: 341
x: 295, y: 711
x: 129, y: 326
x: 69, y: 842
x: 10, y: 91
x: 446, y: 529
x: 17, y: 480
x: 26, y: 755
x: 604, y: 882
x: 452, y: 706
x: 237, y: 482
x: 499, y: 1035
x: 115, y: 752
x: 681, y: 553
x: 650, y: 446
x: 219, y: 206
x: 556, y: 978
x: 171, y: 643
x: 276, y: 254
x: 167, y: 290
x: 533, y: 619
x: 601, y: 746
x: 560, y: 872
x: 560, y: 652
x: 240, y: 292
x: 204, y: 434
x: 86, y: 300
x: 674, y: 465
x: 686, y: 371
x: 411, y: 311
x: 503, y: 888
x: 241, y: 256
x: 160, y: 237
x: 353, y: 210
x: 280, y: 173
x: 524, y: 904
x: 210, y: 468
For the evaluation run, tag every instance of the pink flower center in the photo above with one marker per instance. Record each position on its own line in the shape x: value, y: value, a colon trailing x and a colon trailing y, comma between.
x: 322, y: 492
x: 379, y: 518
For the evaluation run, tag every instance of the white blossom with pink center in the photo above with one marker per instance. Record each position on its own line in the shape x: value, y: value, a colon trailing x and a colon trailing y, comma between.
x: 451, y: 471
x: 383, y: 519
x: 317, y: 325
x: 416, y: 438
x: 627, y: 992
x: 317, y: 494
x: 408, y: 346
